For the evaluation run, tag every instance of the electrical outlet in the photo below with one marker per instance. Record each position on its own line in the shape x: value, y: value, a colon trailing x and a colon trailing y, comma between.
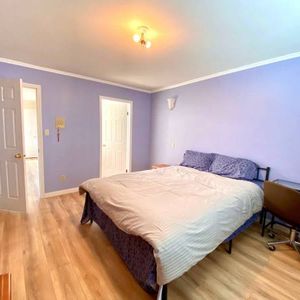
x: 62, y: 178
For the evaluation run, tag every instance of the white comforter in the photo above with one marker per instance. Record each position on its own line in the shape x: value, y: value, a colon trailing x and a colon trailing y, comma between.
x: 184, y: 214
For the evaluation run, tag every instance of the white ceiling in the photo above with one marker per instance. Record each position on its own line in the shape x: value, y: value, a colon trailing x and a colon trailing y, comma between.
x: 191, y: 38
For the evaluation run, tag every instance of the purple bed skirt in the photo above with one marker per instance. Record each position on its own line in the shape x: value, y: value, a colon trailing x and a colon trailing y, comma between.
x: 135, y: 252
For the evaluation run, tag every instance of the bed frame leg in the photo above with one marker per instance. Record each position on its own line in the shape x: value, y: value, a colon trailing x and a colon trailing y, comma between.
x: 162, y: 292
x: 229, y: 249
x: 165, y: 292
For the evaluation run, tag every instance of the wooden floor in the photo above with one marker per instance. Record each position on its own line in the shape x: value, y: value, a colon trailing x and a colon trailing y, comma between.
x: 51, y: 256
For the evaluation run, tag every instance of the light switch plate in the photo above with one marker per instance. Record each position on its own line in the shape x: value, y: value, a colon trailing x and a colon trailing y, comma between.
x: 47, y: 132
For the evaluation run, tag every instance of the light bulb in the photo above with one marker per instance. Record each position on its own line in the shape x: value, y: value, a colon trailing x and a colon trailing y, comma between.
x: 148, y: 44
x: 136, y: 37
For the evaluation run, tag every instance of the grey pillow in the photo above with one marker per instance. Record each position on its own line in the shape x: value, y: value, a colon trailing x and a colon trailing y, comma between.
x: 197, y: 160
x: 237, y: 168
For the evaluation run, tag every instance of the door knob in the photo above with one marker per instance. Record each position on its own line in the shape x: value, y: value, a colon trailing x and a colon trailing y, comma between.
x: 18, y: 155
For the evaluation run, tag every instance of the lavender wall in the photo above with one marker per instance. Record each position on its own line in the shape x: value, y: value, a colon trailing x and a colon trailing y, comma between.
x: 77, y: 155
x: 253, y: 114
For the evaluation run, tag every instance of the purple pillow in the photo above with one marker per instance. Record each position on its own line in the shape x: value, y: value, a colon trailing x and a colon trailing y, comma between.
x: 237, y: 168
x: 197, y: 160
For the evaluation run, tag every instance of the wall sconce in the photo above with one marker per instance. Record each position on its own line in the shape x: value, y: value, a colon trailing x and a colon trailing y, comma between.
x: 171, y: 103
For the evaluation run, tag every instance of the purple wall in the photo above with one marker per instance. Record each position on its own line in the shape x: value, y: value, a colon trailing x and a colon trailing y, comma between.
x: 77, y: 154
x: 253, y: 114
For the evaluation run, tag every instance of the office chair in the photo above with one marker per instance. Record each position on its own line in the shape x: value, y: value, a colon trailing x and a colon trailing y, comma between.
x: 283, y: 203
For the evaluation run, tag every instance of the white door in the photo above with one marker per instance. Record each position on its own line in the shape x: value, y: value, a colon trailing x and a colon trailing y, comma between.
x: 12, y: 182
x: 115, y: 121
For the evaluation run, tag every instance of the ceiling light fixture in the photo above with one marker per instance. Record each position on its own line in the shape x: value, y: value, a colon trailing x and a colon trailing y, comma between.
x: 140, y: 36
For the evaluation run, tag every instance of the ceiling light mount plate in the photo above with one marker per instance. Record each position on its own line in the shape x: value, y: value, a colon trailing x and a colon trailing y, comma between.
x: 143, y: 29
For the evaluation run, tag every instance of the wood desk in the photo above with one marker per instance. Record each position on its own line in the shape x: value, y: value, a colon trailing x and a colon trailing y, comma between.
x: 289, y: 184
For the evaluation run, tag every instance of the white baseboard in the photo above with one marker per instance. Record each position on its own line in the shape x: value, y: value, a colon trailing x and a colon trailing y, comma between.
x: 60, y: 192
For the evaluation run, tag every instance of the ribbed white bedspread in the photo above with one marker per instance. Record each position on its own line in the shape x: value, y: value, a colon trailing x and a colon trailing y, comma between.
x: 184, y: 214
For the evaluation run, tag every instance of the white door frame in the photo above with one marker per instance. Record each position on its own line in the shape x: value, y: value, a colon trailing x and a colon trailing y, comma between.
x: 18, y: 145
x: 40, y: 135
x: 129, y: 131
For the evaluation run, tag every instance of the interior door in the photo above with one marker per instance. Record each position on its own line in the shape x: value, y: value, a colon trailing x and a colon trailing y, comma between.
x: 115, y: 136
x: 12, y: 181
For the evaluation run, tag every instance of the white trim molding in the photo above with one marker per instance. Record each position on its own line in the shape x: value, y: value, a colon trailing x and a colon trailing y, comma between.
x: 151, y: 91
x: 230, y: 71
x: 55, y: 71
x: 60, y: 192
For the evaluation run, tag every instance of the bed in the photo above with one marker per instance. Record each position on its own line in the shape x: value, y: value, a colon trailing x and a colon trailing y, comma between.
x: 147, y: 216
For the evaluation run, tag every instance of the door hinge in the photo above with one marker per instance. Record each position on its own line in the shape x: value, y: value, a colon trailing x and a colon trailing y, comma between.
x: 126, y: 171
x: 127, y: 113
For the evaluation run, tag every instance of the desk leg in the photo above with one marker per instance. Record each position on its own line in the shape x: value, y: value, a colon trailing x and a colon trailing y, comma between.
x: 263, y: 222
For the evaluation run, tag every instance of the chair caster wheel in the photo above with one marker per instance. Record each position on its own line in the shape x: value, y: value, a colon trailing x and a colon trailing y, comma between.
x: 271, y: 235
x: 271, y: 247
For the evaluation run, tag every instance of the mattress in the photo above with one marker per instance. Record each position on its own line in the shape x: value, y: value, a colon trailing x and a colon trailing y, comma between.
x: 184, y: 214
x: 136, y: 253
